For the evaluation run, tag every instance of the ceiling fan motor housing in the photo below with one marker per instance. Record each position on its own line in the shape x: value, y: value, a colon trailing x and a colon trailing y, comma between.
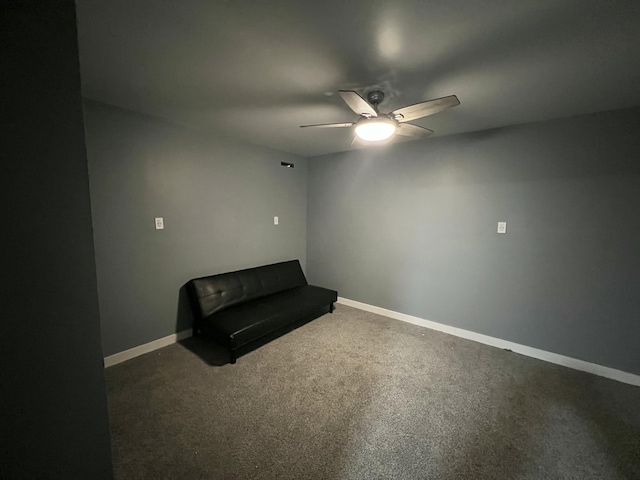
x: 375, y: 97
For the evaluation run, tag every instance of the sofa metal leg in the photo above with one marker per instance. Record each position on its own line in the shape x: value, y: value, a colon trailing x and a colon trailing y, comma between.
x: 331, y: 308
x: 232, y: 357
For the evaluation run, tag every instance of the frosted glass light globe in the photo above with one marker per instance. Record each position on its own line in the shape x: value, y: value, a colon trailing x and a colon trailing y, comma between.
x: 375, y: 129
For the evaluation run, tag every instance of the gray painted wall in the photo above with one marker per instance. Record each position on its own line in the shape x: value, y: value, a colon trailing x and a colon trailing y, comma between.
x: 218, y: 198
x: 412, y: 228
x: 53, y: 405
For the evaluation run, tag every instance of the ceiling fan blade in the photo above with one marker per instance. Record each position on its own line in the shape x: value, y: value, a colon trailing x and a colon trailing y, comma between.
x: 358, y: 104
x: 330, y: 125
x: 411, y: 130
x: 424, y: 109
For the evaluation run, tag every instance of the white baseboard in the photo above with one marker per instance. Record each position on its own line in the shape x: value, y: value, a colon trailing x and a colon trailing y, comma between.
x: 146, y: 348
x: 550, y: 357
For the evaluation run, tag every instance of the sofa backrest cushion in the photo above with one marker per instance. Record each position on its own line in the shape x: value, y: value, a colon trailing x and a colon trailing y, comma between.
x: 224, y: 290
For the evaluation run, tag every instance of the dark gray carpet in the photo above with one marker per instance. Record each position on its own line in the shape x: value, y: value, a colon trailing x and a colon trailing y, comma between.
x: 354, y: 395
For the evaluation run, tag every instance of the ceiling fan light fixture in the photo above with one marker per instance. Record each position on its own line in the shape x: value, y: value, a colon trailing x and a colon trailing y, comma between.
x: 375, y: 129
x: 375, y: 126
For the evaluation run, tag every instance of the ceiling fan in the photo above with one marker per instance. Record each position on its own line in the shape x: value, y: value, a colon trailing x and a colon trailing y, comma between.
x: 374, y: 126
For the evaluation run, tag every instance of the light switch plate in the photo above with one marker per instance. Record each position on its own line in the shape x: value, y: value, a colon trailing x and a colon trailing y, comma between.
x: 502, y: 227
x: 159, y: 223
x: 275, y: 220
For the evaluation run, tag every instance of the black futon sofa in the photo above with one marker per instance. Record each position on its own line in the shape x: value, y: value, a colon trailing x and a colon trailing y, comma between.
x: 246, y: 308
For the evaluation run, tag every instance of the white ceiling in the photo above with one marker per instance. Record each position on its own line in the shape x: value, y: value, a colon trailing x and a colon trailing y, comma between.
x: 257, y: 70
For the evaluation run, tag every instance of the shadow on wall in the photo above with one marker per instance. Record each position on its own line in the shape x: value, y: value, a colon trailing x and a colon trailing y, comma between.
x: 185, y: 313
x: 207, y: 349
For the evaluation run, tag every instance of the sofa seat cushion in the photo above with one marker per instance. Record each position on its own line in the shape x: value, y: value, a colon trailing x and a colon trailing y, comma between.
x: 241, y: 324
